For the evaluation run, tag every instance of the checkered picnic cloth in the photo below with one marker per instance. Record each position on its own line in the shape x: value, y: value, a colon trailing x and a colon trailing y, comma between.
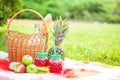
x: 73, y: 70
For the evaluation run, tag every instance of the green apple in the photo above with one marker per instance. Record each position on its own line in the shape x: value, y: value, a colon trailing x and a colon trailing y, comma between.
x: 43, y: 69
x: 27, y: 59
x: 31, y: 68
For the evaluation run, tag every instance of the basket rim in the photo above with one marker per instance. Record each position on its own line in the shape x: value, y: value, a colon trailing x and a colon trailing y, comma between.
x: 25, y: 10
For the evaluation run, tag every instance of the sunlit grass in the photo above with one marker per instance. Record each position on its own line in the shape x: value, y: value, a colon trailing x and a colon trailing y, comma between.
x: 94, y: 42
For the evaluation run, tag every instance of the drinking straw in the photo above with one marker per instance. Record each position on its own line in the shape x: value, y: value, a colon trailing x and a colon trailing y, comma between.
x: 44, y: 44
x: 54, y: 47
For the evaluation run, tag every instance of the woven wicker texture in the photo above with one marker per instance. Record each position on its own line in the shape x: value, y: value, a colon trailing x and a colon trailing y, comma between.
x: 20, y: 44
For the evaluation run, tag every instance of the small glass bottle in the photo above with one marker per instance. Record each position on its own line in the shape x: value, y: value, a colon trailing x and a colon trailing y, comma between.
x: 36, y: 29
x: 55, y: 63
x: 41, y: 59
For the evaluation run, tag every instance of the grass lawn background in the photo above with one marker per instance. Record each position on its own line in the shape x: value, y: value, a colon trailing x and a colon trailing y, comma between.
x: 85, y: 41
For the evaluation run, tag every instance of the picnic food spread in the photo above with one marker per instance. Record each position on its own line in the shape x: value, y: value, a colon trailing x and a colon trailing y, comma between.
x: 74, y: 70
x: 28, y: 53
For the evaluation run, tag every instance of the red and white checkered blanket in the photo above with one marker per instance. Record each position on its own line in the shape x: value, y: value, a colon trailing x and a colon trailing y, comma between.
x: 73, y: 70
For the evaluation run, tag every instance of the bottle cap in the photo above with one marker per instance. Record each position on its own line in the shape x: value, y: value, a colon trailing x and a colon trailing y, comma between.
x: 42, y: 54
x: 55, y: 56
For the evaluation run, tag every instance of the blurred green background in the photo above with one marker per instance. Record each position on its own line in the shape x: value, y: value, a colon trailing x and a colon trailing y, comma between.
x: 94, y: 26
x: 85, y: 10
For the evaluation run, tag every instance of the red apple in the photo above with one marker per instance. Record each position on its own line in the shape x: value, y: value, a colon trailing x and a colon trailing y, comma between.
x: 17, y: 67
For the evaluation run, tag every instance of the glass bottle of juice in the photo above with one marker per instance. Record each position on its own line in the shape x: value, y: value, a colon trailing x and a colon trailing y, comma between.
x: 41, y: 59
x: 55, y: 63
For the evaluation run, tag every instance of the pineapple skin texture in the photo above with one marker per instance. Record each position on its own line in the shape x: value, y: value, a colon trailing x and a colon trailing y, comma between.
x: 58, y: 51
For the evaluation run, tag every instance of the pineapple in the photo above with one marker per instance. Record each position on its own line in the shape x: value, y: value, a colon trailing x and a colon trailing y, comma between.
x: 60, y: 28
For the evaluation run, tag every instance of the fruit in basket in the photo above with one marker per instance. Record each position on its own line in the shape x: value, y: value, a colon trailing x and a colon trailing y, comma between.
x: 60, y: 29
x: 43, y: 69
x: 27, y: 59
x: 31, y: 68
x: 17, y: 67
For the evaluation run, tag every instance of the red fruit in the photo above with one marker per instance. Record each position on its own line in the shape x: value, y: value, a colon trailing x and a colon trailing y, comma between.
x: 17, y: 67
x: 20, y: 68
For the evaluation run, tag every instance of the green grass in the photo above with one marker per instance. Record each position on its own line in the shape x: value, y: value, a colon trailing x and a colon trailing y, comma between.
x: 94, y: 42
x: 86, y: 41
x: 2, y: 39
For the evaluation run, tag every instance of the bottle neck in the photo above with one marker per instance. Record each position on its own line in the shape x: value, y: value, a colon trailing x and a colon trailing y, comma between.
x: 36, y: 29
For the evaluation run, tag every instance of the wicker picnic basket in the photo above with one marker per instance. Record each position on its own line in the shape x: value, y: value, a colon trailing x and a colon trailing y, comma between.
x: 20, y: 44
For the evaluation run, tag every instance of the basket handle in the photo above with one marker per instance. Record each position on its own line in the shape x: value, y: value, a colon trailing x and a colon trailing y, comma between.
x: 26, y: 10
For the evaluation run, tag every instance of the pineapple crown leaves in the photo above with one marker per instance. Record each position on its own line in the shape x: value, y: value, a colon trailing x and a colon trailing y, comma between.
x: 60, y: 28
